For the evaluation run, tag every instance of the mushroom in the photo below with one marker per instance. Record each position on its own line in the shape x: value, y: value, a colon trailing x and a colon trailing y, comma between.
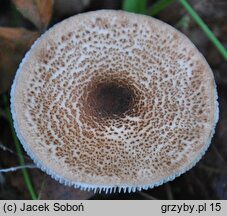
x: 114, y: 100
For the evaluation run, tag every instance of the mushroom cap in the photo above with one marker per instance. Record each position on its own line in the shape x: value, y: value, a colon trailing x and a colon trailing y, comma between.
x: 111, y: 99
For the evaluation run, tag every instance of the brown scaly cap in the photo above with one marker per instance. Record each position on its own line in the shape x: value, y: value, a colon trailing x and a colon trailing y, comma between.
x: 110, y: 99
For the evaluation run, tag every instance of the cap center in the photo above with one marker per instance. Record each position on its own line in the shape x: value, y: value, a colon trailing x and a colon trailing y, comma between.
x: 111, y: 99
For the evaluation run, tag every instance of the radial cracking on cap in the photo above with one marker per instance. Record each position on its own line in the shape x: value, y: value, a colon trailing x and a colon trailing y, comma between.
x: 115, y: 100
